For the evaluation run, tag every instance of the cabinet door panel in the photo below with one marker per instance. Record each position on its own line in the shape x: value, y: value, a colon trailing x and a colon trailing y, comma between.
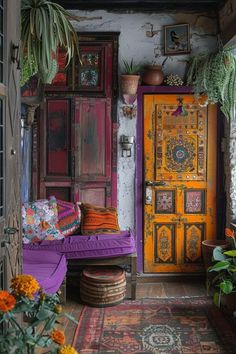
x: 58, y: 137
x: 93, y: 139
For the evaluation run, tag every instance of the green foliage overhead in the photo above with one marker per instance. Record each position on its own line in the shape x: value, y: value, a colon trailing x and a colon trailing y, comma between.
x: 45, y: 27
x: 214, y: 74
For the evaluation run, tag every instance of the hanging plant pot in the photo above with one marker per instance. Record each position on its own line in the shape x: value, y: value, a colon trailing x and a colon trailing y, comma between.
x: 129, y: 84
x: 32, y: 92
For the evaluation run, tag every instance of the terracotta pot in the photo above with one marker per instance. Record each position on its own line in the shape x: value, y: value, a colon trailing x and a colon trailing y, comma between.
x: 228, y: 303
x: 208, y: 247
x: 129, y: 84
x: 153, y: 75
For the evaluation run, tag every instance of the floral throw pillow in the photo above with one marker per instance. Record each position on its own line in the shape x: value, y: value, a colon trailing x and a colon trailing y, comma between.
x: 39, y: 221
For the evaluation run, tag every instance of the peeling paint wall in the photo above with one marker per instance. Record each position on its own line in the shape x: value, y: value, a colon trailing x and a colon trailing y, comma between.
x: 141, y: 38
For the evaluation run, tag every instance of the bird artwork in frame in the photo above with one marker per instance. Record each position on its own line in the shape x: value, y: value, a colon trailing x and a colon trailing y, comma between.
x: 176, y: 39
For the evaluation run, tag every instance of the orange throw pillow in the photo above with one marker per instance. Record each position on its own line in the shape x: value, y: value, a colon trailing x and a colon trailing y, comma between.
x: 96, y: 220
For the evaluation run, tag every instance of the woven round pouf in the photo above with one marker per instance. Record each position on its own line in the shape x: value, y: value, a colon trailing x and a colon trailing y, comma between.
x: 102, y: 286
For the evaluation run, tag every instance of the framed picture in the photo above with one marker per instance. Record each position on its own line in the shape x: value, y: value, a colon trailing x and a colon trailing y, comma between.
x: 176, y: 40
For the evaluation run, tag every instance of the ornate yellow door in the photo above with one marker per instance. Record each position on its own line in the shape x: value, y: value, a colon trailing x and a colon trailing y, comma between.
x: 180, y: 182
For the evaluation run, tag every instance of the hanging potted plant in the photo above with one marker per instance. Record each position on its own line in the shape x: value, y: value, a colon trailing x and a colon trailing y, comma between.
x: 213, y: 78
x: 129, y: 78
x: 45, y: 26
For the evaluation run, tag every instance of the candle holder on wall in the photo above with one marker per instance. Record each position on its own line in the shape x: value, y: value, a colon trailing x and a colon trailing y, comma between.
x: 126, y: 143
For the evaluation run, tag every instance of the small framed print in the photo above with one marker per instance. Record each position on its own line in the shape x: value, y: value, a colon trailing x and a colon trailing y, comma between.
x: 176, y: 40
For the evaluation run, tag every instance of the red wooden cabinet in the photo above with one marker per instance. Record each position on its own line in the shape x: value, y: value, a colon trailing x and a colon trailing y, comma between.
x: 75, y: 139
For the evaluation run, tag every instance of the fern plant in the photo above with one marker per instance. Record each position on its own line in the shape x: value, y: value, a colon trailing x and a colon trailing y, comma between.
x: 214, y: 76
x: 45, y: 26
x: 130, y: 68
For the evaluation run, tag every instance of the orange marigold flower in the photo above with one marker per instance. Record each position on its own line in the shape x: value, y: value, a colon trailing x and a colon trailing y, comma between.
x: 7, y: 301
x: 25, y: 285
x: 58, y: 336
x: 229, y: 232
x: 66, y: 349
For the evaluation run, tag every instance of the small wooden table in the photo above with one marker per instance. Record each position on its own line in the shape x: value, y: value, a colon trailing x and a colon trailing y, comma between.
x: 128, y: 260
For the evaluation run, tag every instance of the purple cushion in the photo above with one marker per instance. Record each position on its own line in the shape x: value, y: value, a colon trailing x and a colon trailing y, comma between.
x: 90, y: 246
x: 48, y: 267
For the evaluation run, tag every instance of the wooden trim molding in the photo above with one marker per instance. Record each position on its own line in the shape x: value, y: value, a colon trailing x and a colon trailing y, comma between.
x: 146, y: 5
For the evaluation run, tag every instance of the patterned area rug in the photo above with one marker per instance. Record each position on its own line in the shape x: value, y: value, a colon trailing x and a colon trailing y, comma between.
x: 161, y: 326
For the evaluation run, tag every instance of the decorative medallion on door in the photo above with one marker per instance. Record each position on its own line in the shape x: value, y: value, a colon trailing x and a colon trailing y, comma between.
x: 180, y: 187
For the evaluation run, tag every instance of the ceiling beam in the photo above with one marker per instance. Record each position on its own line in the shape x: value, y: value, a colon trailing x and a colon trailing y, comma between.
x: 199, y: 5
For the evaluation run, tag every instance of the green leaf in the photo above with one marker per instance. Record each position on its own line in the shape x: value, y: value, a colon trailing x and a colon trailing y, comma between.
x: 219, y: 266
x: 43, y: 314
x: 50, y: 324
x: 226, y: 286
x: 70, y: 317
x: 231, y: 253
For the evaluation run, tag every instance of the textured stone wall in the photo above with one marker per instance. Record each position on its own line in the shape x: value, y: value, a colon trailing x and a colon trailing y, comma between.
x: 230, y: 169
x: 141, y: 38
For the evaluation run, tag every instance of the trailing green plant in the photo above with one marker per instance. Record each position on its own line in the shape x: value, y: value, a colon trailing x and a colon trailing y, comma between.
x: 225, y: 267
x: 130, y: 68
x: 214, y: 74
x: 45, y: 26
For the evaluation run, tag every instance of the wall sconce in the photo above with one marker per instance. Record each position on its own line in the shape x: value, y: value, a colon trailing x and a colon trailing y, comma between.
x: 126, y: 143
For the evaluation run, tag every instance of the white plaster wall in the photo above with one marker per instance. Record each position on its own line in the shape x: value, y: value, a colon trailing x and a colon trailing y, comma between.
x: 134, y: 43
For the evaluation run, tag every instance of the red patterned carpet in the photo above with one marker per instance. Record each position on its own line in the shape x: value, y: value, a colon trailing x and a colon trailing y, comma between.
x: 160, y: 326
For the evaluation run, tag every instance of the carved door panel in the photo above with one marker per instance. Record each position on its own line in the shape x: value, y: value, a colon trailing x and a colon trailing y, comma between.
x: 180, y: 182
x: 10, y: 240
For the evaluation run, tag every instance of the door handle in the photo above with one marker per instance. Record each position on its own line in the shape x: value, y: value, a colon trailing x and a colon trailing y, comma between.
x: 149, y: 190
x: 155, y: 183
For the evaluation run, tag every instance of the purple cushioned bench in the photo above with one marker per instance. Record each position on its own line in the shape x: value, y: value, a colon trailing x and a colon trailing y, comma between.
x: 48, y: 267
x: 110, y: 249
x: 90, y: 247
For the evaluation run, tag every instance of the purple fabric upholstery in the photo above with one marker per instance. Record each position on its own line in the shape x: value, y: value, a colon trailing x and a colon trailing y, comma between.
x: 90, y: 247
x: 48, y: 267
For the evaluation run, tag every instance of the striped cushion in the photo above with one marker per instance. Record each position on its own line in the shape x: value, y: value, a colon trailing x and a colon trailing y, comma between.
x: 69, y: 217
x: 96, y: 220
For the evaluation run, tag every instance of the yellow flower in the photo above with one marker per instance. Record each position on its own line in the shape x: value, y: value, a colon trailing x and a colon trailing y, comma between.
x: 7, y: 301
x: 66, y: 349
x: 25, y: 285
x: 58, y: 336
x: 58, y: 309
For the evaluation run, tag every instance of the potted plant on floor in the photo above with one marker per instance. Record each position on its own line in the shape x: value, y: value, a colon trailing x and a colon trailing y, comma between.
x: 225, y: 268
x: 130, y: 78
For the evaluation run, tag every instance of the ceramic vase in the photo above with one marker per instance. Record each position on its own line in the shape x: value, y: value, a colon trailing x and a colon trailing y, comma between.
x: 153, y: 75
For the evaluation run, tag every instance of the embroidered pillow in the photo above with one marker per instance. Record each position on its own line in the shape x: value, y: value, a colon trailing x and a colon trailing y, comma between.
x: 96, y: 220
x: 39, y: 221
x: 69, y: 217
